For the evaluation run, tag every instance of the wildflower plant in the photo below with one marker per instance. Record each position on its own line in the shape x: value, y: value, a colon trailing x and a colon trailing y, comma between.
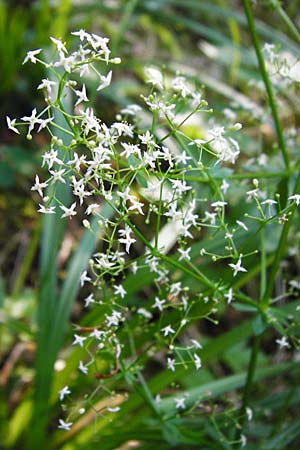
x: 169, y: 232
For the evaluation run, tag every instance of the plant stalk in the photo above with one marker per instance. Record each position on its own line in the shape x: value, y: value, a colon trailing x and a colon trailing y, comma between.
x: 266, y: 80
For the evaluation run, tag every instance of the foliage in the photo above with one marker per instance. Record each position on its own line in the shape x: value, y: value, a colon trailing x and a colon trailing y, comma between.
x: 187, y: 325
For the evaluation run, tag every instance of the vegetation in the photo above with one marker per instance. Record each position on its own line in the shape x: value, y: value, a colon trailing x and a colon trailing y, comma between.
x: 150, y: 270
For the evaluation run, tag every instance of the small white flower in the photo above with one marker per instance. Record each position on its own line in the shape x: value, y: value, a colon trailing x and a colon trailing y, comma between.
x: 243, y: 440
x: 11, y: 124
x: 241, y: 224
x: 64, y: 425
x: 154, y: 76
x: 84, y: 278
x: 82, y: 34
x: 237, y: 267
x: 171, y: 364
x: 46, y: 84
x: 84, y: 369
x: 295, y: 197
x: 88, y: 300
x: 105, y: 81
x: 119, y: 290
x: 224, y: 186
x: 46, y: 210
x: 39, y: 186
x: 31, y: 56
x: 197, y: 361
x: 69, y: 212
x: 168, y: 330
x: 145, y: 313
x: 81, y: 96
x: 180, y: 403
x: 78, y: 340
x: 59, y: 45
x: 158, y: 303
x: 283, y: 342
x: 196, y: 344
x: 249, y: 413
x: 229, y: 296
x: 63, y: 392
x: 32, y: 120
x: 184, y: 254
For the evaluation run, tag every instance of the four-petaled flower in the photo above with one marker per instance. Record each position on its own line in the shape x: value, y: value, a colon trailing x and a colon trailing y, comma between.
x: 64, y: 425
x: 238, y: 266
x: 63, y: 392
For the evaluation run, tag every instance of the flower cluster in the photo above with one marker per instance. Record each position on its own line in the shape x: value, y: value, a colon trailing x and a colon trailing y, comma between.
x: 147, y: 174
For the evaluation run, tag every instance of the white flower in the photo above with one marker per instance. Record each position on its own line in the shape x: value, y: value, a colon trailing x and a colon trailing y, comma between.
x: 184, y: 254
x: 126, y: 238
x: 196, y: 344
x: 84, y: 278
x: 59, y: 45
x: 69, y: 212
x: 249, y: 413
x: 145, y: 313
x: 50, y: 158
x: 105, y: 81
x: 81, y: 33
x: 157, y: 399
x: 171, y: 364
x: 119, y: 290
x: 180, y: 403
x: 154, y: 76
x: 229, y: 296
x: 63, y: 392
x: 64, y: 425
x: 78, y: 340
x: 243, y: 440
x: 88, y: 300
x: 46, y: 210
x: 38, y: 186
x: 44, y: 123
x: 81, y: 95
x: 58, y: 175
x: 237, y: 267
x: 47, y: 84
x: 283, y: 342
x: 158, y: 303
x: 31, y: 56
x: 182, y: 158
x: 224, y: 186
x: 241, y: 224
x: 167, y: 330
x: 295, y: 197
x: 11, y: 125
x: 197, y: 361
x: 84, y: 369
x: 32, y: 120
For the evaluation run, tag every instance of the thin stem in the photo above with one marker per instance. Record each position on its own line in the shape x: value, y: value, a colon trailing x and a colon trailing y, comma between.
x: 250, y: 377
x: 279, y: 252
x: 293, y: 29
x: 266, y: 80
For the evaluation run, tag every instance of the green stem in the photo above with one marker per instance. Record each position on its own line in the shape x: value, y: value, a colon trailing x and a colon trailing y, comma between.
x: 266, y: 80
x: 279, y: 252
x: 294, y: 31
x: 250, y: 378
